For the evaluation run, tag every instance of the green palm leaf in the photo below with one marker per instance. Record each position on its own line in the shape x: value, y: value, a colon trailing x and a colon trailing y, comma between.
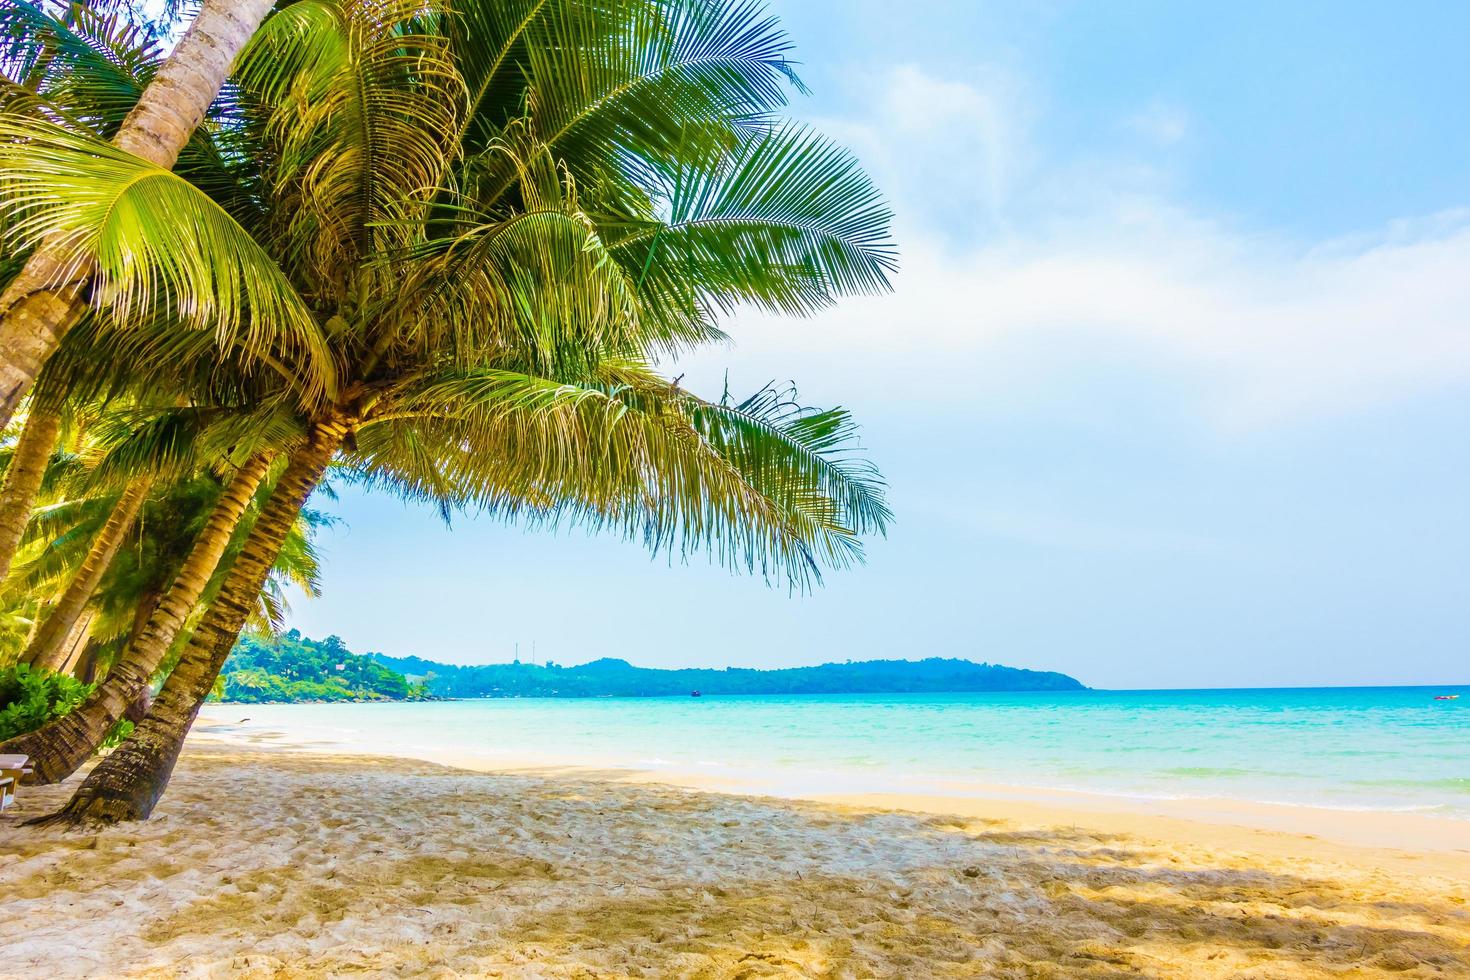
x: 89, y: 69
x: 684, y: 74
x: 787, y: 221
x: 359, y: 102
x: 718, y: 479
x: 159, y: 247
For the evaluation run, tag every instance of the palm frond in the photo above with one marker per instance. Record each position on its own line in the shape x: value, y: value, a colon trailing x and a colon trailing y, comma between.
x: 719, y: 480
x: 799, y: 455
x: 361, y: 101
x: 492, y: 41
x: 157, y: 244
x: 538, y: 280
x: 88, y: 69
x: 684, y: 75
x: 787, y: 221
x: 174, y: 442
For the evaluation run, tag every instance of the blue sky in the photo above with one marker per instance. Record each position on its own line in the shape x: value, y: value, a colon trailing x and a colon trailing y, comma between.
x: 1172, y: 390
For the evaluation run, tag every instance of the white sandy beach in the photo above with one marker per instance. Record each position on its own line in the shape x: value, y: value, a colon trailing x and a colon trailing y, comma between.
x: 279, y: 861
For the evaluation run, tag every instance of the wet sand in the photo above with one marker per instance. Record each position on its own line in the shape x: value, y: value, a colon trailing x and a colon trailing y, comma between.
x: 267, y: 861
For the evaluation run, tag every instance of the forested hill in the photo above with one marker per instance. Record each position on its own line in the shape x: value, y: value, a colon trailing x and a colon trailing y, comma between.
x: 618, y: 678
x: 292, y: 667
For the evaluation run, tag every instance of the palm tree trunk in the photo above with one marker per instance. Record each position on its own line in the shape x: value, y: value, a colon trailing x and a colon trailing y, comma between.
x: 128, y: 783
x: 58, y: 748
x: 48, y: 646
x: 47, y: 298
x: 23, y: 477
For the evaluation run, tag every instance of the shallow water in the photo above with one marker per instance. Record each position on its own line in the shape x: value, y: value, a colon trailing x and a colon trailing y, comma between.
x: 1355, y: 748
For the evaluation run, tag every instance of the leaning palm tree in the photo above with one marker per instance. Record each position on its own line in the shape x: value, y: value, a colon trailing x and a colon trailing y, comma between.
x: 545, y: 195
x: 48, y: 648
x: 50, y: 293
x: 91, y: 68
x: 134, y: 434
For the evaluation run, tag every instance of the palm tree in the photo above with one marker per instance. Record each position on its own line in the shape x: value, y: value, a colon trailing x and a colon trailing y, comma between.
x: 127, y: 784
x: 495, y: 218
x: 49, y: 294
x: 127, y: 444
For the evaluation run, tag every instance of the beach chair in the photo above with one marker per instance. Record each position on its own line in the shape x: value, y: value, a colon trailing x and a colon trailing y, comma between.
x: 12, y: 768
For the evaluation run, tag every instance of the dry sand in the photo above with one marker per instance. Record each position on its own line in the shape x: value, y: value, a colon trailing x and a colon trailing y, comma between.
x: 272, y: 862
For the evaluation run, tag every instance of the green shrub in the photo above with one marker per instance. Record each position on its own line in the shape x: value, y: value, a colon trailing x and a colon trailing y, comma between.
x: 29, y: 698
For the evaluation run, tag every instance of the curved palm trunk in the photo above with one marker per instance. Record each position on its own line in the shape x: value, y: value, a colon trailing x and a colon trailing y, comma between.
x: 128, y: 783
x: 58, y: 748
x: 23, y: 477
x: 47, y: 298
x: 47, y: 649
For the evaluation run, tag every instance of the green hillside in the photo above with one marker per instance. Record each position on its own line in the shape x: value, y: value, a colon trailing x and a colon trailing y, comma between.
x: 294, y: 668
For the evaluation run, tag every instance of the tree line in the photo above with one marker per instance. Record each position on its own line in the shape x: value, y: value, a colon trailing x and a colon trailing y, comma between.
x: 434, y: 248
x: 609, y: 677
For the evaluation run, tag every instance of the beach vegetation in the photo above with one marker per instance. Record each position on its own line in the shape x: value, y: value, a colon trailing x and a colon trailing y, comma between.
x: 33, y: 697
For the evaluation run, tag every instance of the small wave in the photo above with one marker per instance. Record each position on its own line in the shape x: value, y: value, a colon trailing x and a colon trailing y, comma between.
x: 1455, y: 784
x: 1213, y: 771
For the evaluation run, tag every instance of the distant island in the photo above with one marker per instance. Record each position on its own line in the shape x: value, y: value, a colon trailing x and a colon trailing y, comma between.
x: 294, y: 668
x: 609, y: 677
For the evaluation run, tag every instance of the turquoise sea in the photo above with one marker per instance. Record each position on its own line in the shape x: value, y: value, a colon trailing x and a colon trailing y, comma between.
x: 1388, y: 748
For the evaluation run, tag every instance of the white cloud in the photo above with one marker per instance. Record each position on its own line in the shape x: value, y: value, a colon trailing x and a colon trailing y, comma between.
x: 1257, y: 328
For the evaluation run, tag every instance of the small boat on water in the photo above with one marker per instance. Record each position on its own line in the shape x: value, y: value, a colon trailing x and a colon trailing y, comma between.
x: 695, y: 694
x: 1446, y: 697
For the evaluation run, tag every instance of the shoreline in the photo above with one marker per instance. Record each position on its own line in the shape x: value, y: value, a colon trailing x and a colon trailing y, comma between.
x: 1384, y: 838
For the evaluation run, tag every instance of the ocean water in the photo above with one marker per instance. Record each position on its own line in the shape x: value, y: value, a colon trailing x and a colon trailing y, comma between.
x: 1391, y: 748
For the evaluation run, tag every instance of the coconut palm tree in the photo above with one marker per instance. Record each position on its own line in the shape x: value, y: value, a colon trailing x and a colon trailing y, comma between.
x: 495, y: 218
x: 58, y: 748
x: 140, y: 442
x: 46, y: 649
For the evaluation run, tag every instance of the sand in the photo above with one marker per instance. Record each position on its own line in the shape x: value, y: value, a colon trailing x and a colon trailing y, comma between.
x: 283, y: 862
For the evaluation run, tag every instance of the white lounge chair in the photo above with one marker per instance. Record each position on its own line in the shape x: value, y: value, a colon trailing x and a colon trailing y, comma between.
x: 12, y: 768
